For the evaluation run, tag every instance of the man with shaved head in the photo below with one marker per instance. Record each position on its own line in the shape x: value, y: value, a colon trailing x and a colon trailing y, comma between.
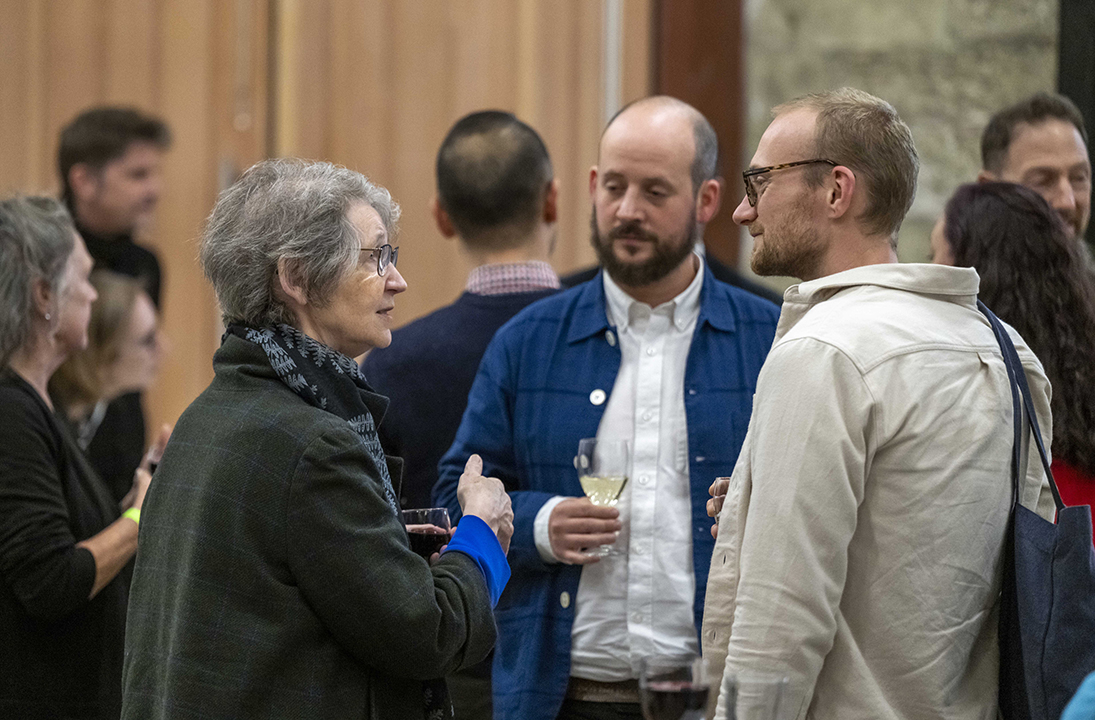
x: 654, y: 351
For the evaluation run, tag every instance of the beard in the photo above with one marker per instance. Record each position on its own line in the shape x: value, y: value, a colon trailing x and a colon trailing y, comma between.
x: 790, y: 246
x: 667, y: 253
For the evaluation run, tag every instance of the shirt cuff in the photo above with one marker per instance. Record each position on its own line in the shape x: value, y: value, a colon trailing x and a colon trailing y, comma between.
x: 474, y: 538
x: 540, y: 530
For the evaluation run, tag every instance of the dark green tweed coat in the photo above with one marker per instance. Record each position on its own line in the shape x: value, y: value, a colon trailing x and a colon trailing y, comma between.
x: 272, y: 579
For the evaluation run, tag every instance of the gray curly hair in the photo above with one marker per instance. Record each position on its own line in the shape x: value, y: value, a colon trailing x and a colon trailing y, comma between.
x: 291, y: 209
x: 36, y: 239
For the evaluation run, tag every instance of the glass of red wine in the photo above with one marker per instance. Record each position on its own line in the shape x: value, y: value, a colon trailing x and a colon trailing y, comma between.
x: 429, y: 530
x: 673, y: 688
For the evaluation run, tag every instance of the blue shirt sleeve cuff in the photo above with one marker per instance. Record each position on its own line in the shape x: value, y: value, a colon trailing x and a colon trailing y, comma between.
x: 474, y: 538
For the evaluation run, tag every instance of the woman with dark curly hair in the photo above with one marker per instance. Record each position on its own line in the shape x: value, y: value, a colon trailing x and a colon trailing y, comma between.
x: 1034, y: 277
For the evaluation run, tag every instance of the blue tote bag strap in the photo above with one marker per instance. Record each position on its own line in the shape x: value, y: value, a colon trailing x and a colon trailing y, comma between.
x: 1047, y: 600
x: 1020, y: 389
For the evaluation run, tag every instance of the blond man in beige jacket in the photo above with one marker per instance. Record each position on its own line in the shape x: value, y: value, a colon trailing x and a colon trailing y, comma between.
x: 859, y: 543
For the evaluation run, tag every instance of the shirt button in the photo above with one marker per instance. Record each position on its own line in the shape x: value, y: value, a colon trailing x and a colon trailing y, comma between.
x: 637, y: 617
x: 564, y: 599
x: 700, y: 458
x: 610, y: 338
x: 597, y: 397
x: 647, y: 415
x: 650, y: 351
x: 644, y: 479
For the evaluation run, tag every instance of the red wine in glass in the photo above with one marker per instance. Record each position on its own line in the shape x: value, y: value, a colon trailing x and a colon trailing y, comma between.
x: 428, y: 529
x: 673, y: 700
x: 427, y: 539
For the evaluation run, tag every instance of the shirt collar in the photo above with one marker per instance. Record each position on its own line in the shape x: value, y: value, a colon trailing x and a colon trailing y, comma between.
x: 508, y: 278
x: 683, y: 309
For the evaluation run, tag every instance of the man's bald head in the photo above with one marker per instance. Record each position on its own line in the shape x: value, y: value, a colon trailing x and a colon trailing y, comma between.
x: 705, y: 158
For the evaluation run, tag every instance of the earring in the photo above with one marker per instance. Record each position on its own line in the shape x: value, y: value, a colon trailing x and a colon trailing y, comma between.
x: 48, y: 317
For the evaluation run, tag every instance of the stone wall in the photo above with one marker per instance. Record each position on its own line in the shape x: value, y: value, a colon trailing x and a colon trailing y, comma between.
x: 946, y: 65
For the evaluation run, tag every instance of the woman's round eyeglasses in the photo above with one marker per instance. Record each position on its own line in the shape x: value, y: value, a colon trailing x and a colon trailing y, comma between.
x: 385, y: 255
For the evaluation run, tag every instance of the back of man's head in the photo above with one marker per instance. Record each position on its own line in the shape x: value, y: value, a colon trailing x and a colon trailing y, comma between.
x: 865, y: 133
x: 493, y: 172
x: 1000, y: 131
x: 103, y: 134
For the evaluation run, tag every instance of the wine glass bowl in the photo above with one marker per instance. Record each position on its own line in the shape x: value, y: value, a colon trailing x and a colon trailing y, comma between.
x: 673, y: 688
x: 602, y: 471
x: 428, y: 529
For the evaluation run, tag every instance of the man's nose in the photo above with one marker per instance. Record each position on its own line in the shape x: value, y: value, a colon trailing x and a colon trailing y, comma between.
x: 630, y: 207
x: 1064, y: 197
x: 744, y: 213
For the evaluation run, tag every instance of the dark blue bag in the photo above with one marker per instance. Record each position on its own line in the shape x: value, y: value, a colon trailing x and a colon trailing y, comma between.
x: 1047, y: 602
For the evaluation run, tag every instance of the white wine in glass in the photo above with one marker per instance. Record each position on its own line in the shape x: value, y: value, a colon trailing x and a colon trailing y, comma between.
x: 602, y: 471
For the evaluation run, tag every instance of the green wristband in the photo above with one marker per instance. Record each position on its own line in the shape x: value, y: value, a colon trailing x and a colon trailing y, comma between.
x: 133, y: 514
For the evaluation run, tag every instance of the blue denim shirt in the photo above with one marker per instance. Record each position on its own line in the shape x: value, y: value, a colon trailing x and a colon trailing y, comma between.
x: 529, y: 406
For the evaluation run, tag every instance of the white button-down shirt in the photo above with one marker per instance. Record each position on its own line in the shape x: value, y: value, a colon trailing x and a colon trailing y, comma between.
x: 641, y: 603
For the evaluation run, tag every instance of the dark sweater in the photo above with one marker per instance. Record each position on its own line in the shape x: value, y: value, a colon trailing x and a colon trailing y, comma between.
x: 118, y: 445
x: 427, y: 372
x: 61, y: 654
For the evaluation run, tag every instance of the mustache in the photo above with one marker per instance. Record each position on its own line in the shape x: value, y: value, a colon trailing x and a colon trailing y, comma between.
x: 632, y: 230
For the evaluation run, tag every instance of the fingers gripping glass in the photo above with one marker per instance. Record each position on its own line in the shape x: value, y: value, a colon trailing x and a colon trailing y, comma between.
x: 385, y: 255
x: 754, y: 178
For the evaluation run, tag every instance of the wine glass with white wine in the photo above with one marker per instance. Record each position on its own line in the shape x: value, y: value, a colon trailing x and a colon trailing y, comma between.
x: 602, y: 471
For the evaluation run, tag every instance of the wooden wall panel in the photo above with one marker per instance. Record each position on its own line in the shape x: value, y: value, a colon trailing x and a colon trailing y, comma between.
x: 371, y: 84
x: 376, y: 84
x: 177, y: 59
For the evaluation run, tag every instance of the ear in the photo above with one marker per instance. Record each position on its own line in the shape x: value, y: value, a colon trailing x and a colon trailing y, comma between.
x: 708, y: 200
x: 288, y: 285
x: 444, y: 222
x: 986, y: 176
x: 82, y: 178
x: 841, y: 186
x: 42, y: 296
x: 593, y: 182
x: 551, y: 202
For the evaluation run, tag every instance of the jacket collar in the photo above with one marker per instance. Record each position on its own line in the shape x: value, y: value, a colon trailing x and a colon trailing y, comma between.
x: 954, y: 284
x: 591, y: 318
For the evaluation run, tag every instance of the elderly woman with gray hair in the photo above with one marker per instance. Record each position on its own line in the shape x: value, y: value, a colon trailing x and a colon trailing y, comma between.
x: 63, y: 538
x: 275, y: 577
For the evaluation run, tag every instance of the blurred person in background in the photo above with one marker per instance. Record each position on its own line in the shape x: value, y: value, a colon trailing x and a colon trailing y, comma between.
x: 1041, y: 142
x: 110, y: 164
x: 495, y: 193
x: 122, y: 356
x: 276, y: 578
x: 1033, y: 277
x: 63, y: 538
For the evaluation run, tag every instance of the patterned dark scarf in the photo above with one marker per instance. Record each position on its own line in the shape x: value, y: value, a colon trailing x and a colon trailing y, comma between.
x: 325, y: 379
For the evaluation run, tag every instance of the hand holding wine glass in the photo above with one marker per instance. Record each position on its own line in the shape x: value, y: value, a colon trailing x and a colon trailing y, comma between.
x: 603, y: 466
x: 428, y: 529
